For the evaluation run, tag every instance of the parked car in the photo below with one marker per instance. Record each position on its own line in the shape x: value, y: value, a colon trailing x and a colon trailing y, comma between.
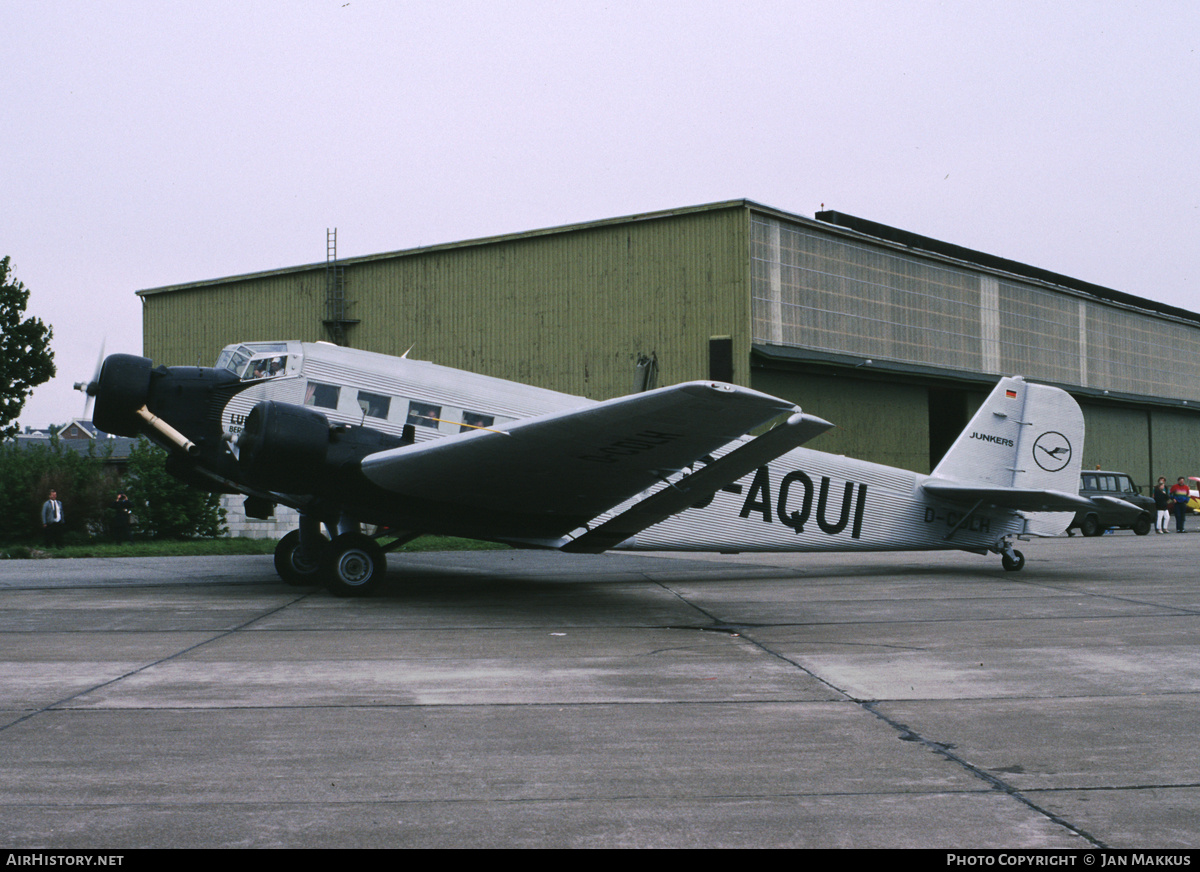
x: 1103, y: 483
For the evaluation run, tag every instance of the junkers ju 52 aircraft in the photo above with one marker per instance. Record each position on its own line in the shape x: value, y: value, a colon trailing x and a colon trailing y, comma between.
x: 350, y: 437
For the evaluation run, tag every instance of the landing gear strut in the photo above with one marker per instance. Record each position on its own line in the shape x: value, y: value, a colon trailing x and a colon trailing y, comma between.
x: 353, y: 564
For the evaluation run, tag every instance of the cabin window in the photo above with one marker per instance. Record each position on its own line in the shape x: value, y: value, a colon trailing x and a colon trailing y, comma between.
x: 423, y: 414
x: 474, y: 420
x: 325, y: 396
x: 374, y: 405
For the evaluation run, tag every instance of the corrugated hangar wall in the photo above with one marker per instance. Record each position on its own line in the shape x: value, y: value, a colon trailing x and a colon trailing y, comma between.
x: 569, y: 310
x: 895, y: 345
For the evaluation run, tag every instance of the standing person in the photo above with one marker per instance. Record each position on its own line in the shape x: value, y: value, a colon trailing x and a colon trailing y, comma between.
x: 52, y: 521
x: 1162, y: 503
x: 122, y: 520
x: 1180, y: 495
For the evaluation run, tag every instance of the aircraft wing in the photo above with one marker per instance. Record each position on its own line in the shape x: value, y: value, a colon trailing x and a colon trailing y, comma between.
x: 699, y: 485
x: 548, y: 475
x: 1019, y: 499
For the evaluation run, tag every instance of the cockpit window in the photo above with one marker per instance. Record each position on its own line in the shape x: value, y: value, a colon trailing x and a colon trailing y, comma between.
x: 255, y: 360
x: 234, y: 360
x: 266, y: 367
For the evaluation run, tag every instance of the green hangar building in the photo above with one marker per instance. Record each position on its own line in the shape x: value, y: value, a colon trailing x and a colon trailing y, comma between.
x: 894, y: 337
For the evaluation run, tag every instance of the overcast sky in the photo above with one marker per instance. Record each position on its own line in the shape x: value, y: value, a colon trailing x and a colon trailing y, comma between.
x: 150, y: 143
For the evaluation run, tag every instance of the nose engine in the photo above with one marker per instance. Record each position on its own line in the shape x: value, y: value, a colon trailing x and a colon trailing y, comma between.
x: 178, y: 406
x: 122, y: 388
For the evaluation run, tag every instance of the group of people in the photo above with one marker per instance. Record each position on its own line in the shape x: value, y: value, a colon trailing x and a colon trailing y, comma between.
x: 1171, y: 500
x: 53, y: 518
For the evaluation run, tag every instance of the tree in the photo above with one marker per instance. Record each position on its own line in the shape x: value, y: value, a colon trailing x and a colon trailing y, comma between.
x: 25, y: 356
x: 27, y: 475
x: 165, y: 507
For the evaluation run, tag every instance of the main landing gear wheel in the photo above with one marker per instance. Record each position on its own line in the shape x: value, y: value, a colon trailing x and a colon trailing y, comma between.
x: 354, y: 565
x: 1013, y: 563
x: 296, y: 569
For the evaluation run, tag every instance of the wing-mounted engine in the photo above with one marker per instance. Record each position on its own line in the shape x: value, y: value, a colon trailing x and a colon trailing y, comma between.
x: 293, y: 449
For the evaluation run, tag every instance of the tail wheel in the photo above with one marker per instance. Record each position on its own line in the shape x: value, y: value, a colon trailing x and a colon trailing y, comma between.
x: 354, y: 565
x: 1013, y: 563
x: 294, y: 566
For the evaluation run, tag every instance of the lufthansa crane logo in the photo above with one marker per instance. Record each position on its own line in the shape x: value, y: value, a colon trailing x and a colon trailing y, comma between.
x: 1052, y: 451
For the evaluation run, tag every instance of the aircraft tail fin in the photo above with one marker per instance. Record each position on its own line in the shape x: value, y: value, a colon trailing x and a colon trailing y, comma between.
x: 1024, y: 436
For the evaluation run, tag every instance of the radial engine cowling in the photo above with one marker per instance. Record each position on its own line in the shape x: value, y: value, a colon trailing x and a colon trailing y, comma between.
x: 122, y: 388
x: 283, y: 447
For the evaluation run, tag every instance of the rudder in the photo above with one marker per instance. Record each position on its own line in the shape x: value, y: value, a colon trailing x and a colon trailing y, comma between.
x: 1024, y: 436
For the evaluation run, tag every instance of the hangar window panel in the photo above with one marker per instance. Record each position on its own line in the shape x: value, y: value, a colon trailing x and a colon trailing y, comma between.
x: 325, y: 396
x: 1039, y: 333
x: 423, y: 414
x: 831, y: 294
x: 822, y: 291
x: 1132, y: 352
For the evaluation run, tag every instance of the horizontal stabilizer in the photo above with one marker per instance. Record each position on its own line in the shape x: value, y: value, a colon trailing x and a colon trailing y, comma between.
x: 1019, y: 499
x: 700, y: 485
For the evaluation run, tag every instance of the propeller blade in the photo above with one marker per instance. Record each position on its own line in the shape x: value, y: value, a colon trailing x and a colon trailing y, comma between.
x: 89, y: 388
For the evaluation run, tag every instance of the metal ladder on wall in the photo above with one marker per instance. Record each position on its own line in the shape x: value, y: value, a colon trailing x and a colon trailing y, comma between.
x: 335, y: 320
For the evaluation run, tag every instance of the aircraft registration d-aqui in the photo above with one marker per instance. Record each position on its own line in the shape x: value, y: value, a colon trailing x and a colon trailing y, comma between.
x: 350, y: 437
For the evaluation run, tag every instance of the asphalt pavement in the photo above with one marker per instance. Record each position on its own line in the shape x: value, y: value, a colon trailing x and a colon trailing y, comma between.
x: 534, y: 699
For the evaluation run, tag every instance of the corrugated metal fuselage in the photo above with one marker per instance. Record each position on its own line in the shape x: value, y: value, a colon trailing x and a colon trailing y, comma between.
x: 804, y: 501
x: 811, y: 501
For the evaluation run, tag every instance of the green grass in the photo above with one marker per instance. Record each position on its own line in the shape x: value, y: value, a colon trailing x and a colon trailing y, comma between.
x: 215, y: 547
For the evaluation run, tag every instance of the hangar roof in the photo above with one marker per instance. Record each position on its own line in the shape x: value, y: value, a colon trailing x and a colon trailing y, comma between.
x: 957, y: 252
x: 468, y: 243
x: 829, y: 221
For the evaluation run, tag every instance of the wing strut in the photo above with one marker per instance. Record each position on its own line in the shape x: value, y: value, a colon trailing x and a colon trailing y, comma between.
x: 703, y: 483
x: 963, y: 520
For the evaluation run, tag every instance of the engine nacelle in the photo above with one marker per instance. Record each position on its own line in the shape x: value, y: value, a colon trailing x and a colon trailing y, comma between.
x: 283, y: 447
x: 295, y: 450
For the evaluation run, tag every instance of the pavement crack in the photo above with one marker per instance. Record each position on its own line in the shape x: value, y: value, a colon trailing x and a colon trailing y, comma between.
x: 165, y: 659
x: 946, y: 750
